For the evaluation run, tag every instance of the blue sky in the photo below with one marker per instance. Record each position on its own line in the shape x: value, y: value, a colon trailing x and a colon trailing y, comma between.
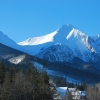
x: 22, y: 19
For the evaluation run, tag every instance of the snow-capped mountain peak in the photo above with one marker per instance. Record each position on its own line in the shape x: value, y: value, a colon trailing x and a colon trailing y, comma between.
x: 81, y: 45
x: 59, y: 36
x: 39, y: 40
x: 75, y: 33
x: 66, y: 27
x: 51, y: 37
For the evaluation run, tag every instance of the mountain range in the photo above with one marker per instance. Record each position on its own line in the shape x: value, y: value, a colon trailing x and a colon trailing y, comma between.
x: 63, y: 45
x: 68, y: 52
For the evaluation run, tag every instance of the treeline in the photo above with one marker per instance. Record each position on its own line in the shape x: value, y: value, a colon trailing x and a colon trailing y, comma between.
x: 68, y: 70
x: 18, y: 84
x: 93, y: 92
x: 62, y: 82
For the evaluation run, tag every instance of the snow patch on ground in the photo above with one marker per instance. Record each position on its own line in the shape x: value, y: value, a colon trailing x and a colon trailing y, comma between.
x: 17, y: 59
x: 40, y: 68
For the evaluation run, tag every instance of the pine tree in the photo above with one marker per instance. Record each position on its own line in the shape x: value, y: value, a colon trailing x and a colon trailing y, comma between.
x: 68, y: 96
x: 11, y: 74
x: 2, y: 73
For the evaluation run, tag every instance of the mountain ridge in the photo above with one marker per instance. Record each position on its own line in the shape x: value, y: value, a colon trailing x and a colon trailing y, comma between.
x: 83, y: 46
x: 4, y: 39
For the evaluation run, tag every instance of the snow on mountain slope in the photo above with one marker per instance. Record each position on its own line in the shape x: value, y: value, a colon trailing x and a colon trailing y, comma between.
x: 56, y: 36
x: 69, y: 79
x: 80, y: 45
x: 17, y: 59
x: 39, y: 67
x: 95, y: 41
x: 4, y: 39
x: 39, y: 40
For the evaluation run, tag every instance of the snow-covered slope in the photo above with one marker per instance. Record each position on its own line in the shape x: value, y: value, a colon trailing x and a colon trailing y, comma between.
x: 65, y: 43
x: 17, y: 60
x: 56, y: 36
x: 4, y: 39
x: 39, y: 40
